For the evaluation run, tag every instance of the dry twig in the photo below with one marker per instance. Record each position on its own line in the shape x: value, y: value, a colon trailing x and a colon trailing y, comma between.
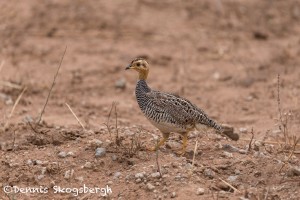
x: 14, y: 107
x: 53, y: 83
x: 75, y: 116
x: 195, y: 152
x: 295, y: 142
x: 250, y: 143
x: 234, y: 189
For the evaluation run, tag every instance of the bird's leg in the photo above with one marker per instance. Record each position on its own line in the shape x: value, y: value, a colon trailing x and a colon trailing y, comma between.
x: 184, y: 144
x: 161, y: 142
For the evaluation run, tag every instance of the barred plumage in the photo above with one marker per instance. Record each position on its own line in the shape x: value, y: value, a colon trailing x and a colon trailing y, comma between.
x: 168, y: 112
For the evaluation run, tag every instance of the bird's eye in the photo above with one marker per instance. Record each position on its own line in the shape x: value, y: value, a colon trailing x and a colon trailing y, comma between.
x: 138, y: 64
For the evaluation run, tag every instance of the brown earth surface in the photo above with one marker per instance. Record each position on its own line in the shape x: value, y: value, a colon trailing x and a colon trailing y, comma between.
x: 224, y: 56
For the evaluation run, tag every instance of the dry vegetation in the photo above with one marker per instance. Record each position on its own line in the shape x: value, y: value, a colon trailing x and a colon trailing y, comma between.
x: 69, y: 116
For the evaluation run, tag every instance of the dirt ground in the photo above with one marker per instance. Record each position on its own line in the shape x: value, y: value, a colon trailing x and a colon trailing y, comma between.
x: 224, y: 56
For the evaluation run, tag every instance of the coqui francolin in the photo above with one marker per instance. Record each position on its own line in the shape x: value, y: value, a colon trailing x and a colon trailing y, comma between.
x: 168, y: 112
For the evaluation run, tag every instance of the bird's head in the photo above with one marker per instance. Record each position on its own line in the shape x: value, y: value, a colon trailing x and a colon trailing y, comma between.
x: 141, y: 66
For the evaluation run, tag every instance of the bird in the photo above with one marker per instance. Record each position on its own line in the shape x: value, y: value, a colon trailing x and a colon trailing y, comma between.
x: 168, y: 112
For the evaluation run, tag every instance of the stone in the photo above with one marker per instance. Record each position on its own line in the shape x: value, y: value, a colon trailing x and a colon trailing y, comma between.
x: 139, y: 175
x: 155, y: 175
x: 121, y: 84
x: 200, y: 191
x: 88, y: 165
x: 209, y: 173
x: 95, y: 143
x: 232, y: 178
x: 173, y: 195
x: 117, y: 175
x: 100, y: 152
x: 150, y: 187
x: 62, y: 154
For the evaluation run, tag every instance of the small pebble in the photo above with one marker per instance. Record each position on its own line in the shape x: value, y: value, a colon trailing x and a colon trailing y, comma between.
x: 293, y: 171
x: 79, y: 178
x: 121, y: 83
x: 209, y: 173
x: 114, y: 157
x: 227, y: 154
x: 173, y: 194
x: 155, y: 175
x: 71, y: 154
x: 62, y: 154
x: 138, y: 180
x: 139, y: 175
x: 109, y: 183
x: 96, y: 143
x: 88, y: 165
x: 243, y: 130
x: 117, y: 175
x: 232, y: 178
x: 100, y: 152
x: 150, y: 187
x: 200, y: 191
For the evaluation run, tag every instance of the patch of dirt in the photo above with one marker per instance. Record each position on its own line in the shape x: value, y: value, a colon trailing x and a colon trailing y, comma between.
x: 224, y: 56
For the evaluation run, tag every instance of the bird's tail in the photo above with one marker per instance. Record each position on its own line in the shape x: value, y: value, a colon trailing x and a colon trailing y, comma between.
x: 210, y: 123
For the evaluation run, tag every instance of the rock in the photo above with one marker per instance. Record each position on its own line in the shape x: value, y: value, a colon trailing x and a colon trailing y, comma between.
x: 71, y: 154
x: 121, y: 84
x: 39, y: 177
x: 178, y: 178
x: 228, y: 130
x: 114, y: 157
x: 293, y: 171
x: 173, y: 145
x: 29, y: 162
x: 209, y: 173
x: 109, y: 183
x: 100, y: 152
x: 200, y: 191
x: 79, y: 178
x: 155, y: 175
x: 232, y: 178
x: 139, y: 175
x: 117, y: 175
x: 95, y: 143
x: 62, y: 154
x: 150, y: 187
x: 37, y: 162
x: 227, y: 154
x: 243, y: 130
x: 223, y: 186
x: 231, y: 148
x: 173, y: 195
x: 217, y: 76
x: 165, y: 189
x: 138, y: 180
x: 69, y: 174
x: 88, y: 165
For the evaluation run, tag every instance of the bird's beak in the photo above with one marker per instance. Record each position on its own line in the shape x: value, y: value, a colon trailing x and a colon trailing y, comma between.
x: 128, y: 67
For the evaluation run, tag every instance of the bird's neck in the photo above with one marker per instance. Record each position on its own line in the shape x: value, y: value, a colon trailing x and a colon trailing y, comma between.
x: 142, y: 87
x: 143, y: 75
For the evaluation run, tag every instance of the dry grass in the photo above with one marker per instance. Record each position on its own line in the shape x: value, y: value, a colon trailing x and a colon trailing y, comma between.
x: 14, y: 107
x: 53, y: 83
x: 75, y: 116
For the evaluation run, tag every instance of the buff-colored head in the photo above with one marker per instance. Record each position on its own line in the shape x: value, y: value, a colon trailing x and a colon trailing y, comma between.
x: 141, y: 66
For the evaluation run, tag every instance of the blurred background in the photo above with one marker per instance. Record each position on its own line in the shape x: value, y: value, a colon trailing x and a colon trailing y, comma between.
x: 223, y: 55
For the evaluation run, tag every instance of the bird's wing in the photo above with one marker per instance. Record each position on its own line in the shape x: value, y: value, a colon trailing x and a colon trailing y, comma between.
x: 180, y: 110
